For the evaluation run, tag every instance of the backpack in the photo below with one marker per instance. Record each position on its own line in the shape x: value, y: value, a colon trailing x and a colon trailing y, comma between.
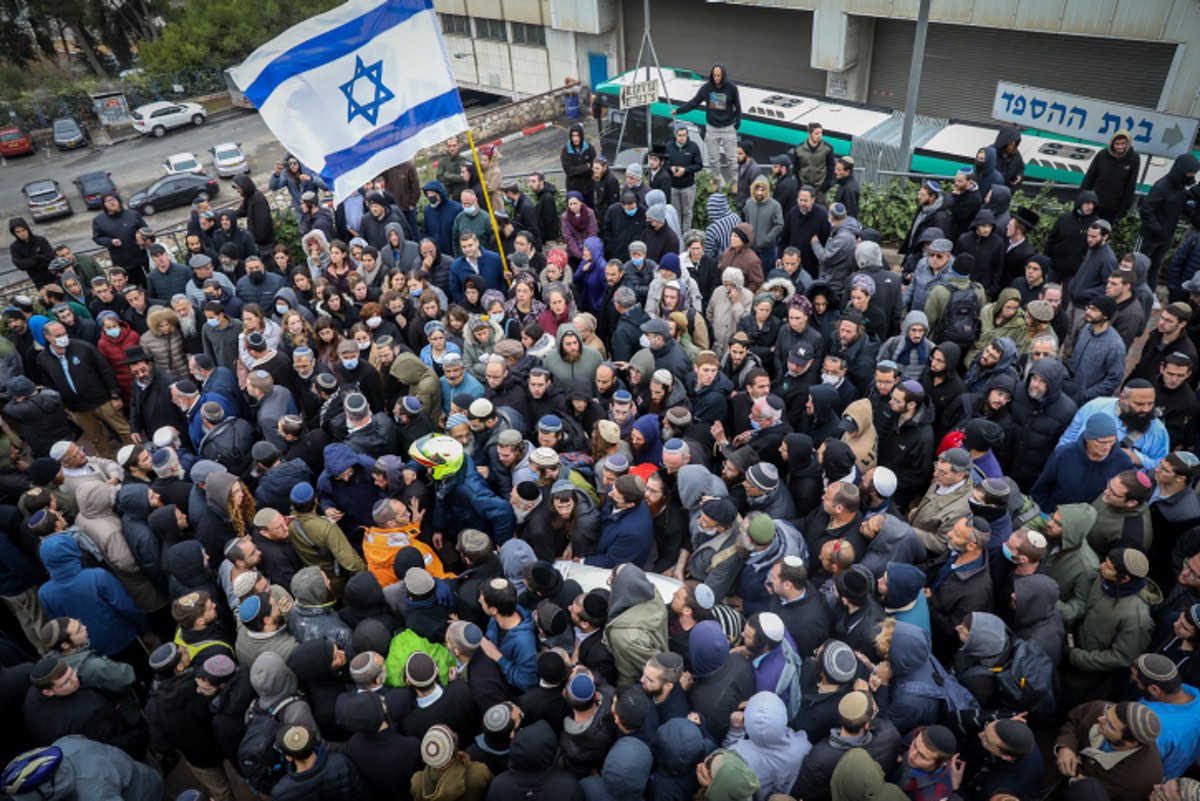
x: 959, y: 322
x: 1027, y: 682
x: 260, y: 762
x: 953, y: 697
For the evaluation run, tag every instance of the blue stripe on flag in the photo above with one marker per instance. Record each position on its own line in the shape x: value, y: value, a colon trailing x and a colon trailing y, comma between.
x: 332, y: 44
x: 410, y: 123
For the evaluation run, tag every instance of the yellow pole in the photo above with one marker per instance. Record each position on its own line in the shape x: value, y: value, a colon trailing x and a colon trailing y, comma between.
x: 487, y: 198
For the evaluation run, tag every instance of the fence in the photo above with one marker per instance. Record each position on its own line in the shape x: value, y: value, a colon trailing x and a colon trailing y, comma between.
x: 36, y: 110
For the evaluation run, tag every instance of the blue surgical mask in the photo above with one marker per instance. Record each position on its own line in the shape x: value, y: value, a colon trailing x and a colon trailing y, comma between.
x: 638, y: 262
x: 213, y: 322
x: 471, y: 210
x: 755, y: 425
x: 282, y: 308
x: 416, y: 292
x: 1008, y: 554
x: 113, y: 332
x: 630, y: 212
x: 350, y: 364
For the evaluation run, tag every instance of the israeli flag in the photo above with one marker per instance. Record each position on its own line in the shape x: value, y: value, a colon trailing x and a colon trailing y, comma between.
x: 356, y: 90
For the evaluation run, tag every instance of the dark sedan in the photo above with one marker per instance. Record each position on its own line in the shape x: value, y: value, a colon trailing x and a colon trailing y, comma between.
x: 93, y: 186
x: 172, y: 191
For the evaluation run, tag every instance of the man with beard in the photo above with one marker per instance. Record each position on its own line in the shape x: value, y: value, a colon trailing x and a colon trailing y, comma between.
x: 944, y: 387
x: 995, y: 359
x: 1139, y: 432
x: 116, y: 228
x: 1090, y: 280
x: 1130, y: 318
x: 932, y: 212
x: 189, y: 324
x: 150, y: 405
x: 1066, y: 244
x: 887, y: 378
x: 1169, y: 336
x: 1175, y: 400
x: 856, y: 349
x: 532, y: 513
x: 1098, y: 360
x: 911, y: 448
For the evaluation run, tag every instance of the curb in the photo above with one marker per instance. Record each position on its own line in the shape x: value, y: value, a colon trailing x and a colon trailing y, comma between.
x: 515, y: 135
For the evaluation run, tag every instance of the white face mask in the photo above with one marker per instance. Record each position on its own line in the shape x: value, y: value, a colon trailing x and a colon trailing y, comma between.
x: 830, y: 378
x: 374, y: 322
x: 61, y: 342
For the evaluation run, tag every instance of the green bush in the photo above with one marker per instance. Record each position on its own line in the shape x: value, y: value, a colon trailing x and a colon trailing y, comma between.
x: 287, y: 232
x: 888, y: 208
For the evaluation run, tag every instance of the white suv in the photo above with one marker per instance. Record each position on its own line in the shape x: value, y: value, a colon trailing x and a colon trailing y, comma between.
x: 154, y: 119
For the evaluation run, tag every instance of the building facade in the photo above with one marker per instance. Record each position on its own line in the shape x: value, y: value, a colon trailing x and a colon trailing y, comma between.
x: 1140, y: 52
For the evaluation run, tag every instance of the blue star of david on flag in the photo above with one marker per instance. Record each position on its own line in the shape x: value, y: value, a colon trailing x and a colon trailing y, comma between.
x: 374, y: 76
x: 358, y: 57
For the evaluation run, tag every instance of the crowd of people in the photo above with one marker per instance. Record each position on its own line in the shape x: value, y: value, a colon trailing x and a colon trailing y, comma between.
x: 639, y: 511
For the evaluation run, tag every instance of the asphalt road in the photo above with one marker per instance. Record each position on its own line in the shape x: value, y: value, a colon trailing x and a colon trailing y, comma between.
x: 135, y: 163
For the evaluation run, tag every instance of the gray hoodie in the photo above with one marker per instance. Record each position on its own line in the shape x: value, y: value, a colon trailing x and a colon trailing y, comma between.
x: 274, y: 681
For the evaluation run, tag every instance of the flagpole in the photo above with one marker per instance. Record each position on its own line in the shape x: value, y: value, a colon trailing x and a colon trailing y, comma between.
x: 488, y: 199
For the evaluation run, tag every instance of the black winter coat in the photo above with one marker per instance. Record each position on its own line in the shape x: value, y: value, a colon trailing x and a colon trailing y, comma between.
x: 1038, y: 424
x: 180, y: 720
x: 333, y: 778
x: 122, y: 226
x: 531, y: 775
x: 229, y: 443
x: 94, y: 381
x: 387, y: 761
x: 908, y: 453
x: 151, y: 408
x: 85, y: 712
x: 1066, y: 244
x: 627, y: 336
x: 719, y: 693
x: 256, y: 211
x: 619, y: 229
x: 989, y: 260
x: 577, y: 164
x: 965, y: 207
x: 31, y: 256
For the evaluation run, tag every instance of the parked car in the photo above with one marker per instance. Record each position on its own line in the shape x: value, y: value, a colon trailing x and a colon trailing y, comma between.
x: 15, y: 141
x: 46, y: 200
x: 93, y: 186
x: 69, y: 135
x: 229, y: 159
x: 182, y: 163
x: 173, y: 191
x: 155, y: 119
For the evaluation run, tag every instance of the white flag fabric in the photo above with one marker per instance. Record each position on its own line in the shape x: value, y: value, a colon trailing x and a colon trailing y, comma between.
x: 356, y: 90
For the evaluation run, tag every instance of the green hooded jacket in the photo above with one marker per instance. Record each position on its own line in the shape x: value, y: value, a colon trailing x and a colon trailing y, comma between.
x: 1075, y: 565
x: 858, y: 777
x: 734, y: 781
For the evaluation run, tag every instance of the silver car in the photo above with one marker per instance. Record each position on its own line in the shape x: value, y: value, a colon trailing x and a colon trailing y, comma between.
x: 229, y: 160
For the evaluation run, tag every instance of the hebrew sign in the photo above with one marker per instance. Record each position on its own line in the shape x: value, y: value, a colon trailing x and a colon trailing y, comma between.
x: 1153, y: 132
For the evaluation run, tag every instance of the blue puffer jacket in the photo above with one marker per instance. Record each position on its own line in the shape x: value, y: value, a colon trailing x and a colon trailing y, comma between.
x: 466, y: 501
x: 94, y: 596
x: 354, y: 498
x: 911, y: 660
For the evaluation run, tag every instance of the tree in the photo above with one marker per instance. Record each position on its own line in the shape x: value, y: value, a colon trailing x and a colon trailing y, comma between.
x: 225, y: 31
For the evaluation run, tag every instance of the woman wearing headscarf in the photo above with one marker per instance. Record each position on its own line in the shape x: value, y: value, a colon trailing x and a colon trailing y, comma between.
x: 804, y: 476
x: 578, y: 225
